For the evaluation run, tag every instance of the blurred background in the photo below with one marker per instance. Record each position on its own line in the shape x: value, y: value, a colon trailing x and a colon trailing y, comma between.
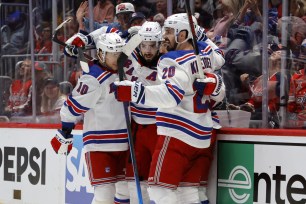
x: 263, y: 42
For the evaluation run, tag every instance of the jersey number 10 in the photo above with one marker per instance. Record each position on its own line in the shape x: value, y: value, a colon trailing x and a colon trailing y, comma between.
x: 83, y: 88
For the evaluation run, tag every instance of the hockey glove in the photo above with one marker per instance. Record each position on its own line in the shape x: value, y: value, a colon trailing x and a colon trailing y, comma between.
x: 210, y: 85
x: 62, y: 142
x: 77, y: 40
x: 130, y: 32
x: 129, y: 91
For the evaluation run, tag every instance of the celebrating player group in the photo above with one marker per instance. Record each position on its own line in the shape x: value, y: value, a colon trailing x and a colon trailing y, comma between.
x: 170, y: 112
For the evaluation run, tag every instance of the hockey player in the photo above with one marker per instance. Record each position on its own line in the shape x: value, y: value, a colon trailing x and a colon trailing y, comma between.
x: 183, y: 118
x: 141, y: 67
x: 208, y: 152
x: 104, y: 131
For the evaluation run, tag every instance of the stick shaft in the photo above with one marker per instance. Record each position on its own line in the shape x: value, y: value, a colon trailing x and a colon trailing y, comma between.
x: 194, y: 39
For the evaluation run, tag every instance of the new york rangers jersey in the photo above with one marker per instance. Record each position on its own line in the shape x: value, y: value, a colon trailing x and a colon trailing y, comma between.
x: 182, y: 113
x: 135, y: 70
x: 104, y: 126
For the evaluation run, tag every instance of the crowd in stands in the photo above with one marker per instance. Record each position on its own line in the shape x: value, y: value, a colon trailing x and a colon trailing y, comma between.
x: 235, y: 26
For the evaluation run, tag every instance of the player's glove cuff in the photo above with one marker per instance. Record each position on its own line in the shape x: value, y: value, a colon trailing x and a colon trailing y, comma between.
x: 61, y: 143
x: 211, y: 85
x: 130, y: 91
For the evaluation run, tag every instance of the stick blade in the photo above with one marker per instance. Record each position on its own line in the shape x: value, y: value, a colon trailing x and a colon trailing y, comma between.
x: 132, y: 44
x: 83, y: 62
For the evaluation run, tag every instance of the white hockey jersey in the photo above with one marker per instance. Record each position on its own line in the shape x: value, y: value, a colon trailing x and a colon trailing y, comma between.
x: 182, y: 113
x: 104, y: 126
x: 136, y: 71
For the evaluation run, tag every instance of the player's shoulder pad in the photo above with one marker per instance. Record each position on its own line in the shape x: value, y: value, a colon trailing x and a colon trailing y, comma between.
x: 94, y: 70
x: 204, y: 48
x: 97, y: 72
x: 202, y: 45
x: 172, y: 55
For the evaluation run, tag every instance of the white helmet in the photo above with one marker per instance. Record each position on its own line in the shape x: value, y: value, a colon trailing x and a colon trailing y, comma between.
x: 180, y: 22
x: 110, y: 42
x: 150, y: 31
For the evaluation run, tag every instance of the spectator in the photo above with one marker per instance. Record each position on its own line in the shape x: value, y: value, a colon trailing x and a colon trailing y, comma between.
x: 230, y: 9
x: 20, y: 90
x: 254, y: 104
x: 124, y: 13
x: 300, y: 9
x: 249, y: 13
x: 240, y: 58
x: 43, y: 44
x: 103, y: 12
x: 144, y: 7
x: 296, y: 31
x: 296, y: 101
x: 51, y: 99
x: 20, y: 100
x: 161, y: 7
x: 277, y: 4
x: 137, y: 19
x: 159, y: 18
x: 204, y: 18
x: 41, y: 75
x: 14, y: 35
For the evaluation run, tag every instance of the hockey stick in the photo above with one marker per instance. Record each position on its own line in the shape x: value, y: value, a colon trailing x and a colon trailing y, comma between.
x: 127, y: 50
x: 194, y: 39
x: 196, y: 49
x: 82, y: 55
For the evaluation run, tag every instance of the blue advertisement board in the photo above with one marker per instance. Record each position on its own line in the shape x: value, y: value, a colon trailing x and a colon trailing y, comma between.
x: 78, y: 187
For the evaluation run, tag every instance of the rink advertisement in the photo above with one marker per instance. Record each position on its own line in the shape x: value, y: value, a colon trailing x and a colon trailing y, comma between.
x: 28, y: 164
x: 261, y: 171
x: 77, y: 182
x: 246, y: 168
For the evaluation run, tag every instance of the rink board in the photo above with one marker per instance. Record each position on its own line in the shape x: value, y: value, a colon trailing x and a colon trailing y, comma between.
x: 31, y: 171
x: 29, y: 168
x: 266, y: 167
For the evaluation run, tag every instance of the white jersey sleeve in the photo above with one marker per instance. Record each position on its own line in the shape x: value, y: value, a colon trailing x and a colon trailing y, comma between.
x: 211, y: 58
x: 104, y: 29
x: 104, y: 127
x: 83, y: 97
x: 217, y: 52
x: 172, y: 89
